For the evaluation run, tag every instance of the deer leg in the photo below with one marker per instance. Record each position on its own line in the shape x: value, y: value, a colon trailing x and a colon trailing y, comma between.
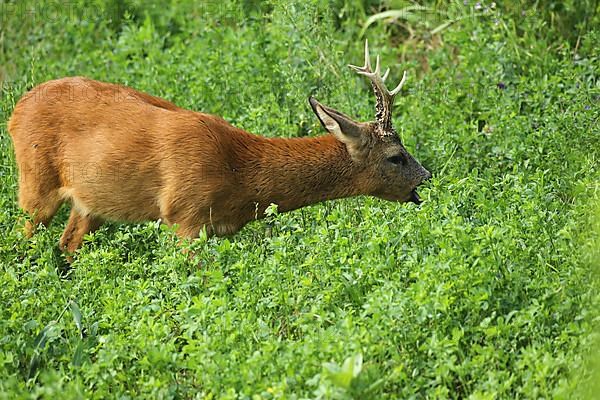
x: 186, y: 232
x: 76, y: 229
x: 187, y: 226
x: 41, y: 207
x: 39, y: 193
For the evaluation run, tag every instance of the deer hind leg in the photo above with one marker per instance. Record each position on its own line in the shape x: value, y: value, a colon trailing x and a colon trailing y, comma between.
x: 187, y: 231
x: 77, y: 226
x: 41, y: 203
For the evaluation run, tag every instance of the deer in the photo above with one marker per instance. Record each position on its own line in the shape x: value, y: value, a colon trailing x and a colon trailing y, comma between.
x: 118, y: 154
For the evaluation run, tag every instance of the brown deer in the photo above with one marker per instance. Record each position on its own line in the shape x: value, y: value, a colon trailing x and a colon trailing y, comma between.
x: 122, y: 155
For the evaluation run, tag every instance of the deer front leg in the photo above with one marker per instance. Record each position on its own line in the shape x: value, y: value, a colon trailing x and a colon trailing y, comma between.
x: 76, y: 229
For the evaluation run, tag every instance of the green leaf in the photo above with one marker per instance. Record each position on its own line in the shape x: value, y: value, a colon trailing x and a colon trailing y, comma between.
x: 38, y: 344
x: 78, y: 355
x: 76, y: 316
x: 42, y: 337
x: 349, y: 370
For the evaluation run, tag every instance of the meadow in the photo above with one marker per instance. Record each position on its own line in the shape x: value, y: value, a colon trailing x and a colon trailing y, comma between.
x: 487, y: 290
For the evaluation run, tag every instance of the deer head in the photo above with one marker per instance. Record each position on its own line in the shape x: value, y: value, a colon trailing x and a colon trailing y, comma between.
x: 393, y: 173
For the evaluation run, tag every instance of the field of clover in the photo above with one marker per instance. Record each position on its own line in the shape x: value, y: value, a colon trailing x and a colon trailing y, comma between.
x: 488, y: 290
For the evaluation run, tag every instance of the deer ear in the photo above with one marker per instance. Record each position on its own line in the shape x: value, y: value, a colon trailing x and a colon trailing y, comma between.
x: 341, y: 126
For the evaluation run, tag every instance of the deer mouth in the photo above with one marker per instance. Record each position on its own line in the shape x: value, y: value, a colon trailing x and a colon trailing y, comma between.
x: 414, y: 197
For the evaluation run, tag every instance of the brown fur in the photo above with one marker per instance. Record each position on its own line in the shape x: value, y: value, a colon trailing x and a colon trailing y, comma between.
x: 119, y: 154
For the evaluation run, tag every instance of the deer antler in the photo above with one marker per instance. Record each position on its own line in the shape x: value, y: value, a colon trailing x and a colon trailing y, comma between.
x: 385, y: 98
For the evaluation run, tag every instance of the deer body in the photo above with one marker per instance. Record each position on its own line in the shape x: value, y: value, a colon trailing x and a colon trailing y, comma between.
x: 118, y: 154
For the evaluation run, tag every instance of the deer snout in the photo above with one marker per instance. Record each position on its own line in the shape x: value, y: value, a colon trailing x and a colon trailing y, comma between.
x: 427, y: 175
x: 423, y: 175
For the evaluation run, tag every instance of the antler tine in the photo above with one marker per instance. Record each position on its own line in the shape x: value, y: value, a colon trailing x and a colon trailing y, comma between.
x: 367, y: 56
x: 387, y: 72
x: 385, y: 98
x: 402, y: 82
x: 365, y: 69
x: 377, y: 68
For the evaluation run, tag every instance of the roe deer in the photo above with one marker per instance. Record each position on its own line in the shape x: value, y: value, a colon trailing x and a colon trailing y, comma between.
x: 119, y: 154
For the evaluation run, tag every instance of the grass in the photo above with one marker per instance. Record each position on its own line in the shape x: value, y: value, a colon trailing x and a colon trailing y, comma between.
x: 488, y: 290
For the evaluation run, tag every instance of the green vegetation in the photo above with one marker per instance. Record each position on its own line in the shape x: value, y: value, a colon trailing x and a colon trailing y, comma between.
x: 487, y: 290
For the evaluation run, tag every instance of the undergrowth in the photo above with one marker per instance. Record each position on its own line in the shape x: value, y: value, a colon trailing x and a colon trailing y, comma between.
x: 488, y: 290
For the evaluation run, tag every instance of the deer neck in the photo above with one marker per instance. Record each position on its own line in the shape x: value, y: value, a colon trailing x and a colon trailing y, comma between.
x: 293, y: 173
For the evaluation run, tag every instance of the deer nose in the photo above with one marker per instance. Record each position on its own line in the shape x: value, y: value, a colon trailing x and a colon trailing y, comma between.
x: 427, y: 175
x: 424, y: 174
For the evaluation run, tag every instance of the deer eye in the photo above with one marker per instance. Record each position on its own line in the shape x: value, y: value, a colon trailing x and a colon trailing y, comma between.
x: 399, y: 159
